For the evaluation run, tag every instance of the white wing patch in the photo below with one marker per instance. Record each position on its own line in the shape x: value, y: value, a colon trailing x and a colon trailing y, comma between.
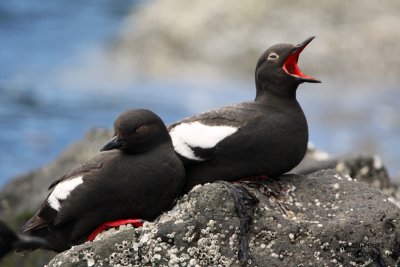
x: 62, y: 191
x: 195, y: 134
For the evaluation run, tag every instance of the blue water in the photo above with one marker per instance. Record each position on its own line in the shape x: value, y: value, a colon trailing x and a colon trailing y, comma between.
x: 36, y: 121
x: 38, y: 118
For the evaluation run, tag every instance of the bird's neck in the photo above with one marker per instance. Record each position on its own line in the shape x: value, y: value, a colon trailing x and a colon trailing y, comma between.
x: 272, y: 92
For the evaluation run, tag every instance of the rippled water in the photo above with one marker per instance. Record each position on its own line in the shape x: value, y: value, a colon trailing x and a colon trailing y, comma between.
x: 37, y: 38
x: 37, y: 120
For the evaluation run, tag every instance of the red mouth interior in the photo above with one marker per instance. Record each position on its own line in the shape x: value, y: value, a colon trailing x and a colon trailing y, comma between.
x: 291, y: 68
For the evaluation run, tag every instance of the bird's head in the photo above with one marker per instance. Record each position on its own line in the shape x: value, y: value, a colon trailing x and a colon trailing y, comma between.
x: 277, y: 68
x: 137, y: 131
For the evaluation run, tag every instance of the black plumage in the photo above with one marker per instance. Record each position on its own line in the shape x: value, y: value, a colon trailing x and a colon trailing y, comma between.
x: 265, y: 137
x: 139, y: 177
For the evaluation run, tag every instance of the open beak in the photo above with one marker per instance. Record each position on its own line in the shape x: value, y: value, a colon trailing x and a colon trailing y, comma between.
x: 290, y: 64
x: 114, y: 143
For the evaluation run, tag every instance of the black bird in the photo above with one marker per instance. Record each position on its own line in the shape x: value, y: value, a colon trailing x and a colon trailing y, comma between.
x: 265, y: 137
x: 10, y: 240
x: 139, y: 177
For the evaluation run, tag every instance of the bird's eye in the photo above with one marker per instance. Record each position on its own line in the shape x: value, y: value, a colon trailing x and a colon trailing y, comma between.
x: 142, y: 129
x: 272, y: 56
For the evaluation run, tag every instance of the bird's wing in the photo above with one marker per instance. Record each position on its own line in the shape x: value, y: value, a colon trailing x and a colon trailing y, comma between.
x: 94, y: 163
x: 60, y: 189
x: 195, y: 138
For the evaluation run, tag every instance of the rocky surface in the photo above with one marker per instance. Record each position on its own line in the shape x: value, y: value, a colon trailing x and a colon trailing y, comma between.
x: 364, y: 168
x: 176, y: 37
x: 24, y: 194
x: 322, y: 219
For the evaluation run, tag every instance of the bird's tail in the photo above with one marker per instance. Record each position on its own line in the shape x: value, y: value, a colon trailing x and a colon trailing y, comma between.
x: 11, y: 241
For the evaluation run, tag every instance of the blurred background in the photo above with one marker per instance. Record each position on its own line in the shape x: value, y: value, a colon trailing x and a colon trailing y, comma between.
x: 67, y: 66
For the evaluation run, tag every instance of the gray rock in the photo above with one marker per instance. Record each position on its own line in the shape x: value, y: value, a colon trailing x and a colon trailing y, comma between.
x: 364, y: 168
x: 322, y: 219
x: 174, y: 37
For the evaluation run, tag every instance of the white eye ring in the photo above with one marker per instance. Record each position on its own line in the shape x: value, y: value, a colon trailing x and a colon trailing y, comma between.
x: 272, y: 56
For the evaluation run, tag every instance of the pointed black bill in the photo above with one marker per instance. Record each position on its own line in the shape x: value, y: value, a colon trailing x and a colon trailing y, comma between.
x: 114, y: 143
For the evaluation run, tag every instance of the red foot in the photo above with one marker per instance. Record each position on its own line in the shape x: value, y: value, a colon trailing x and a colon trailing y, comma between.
x: 251, y: 178
x: 108, y: 225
